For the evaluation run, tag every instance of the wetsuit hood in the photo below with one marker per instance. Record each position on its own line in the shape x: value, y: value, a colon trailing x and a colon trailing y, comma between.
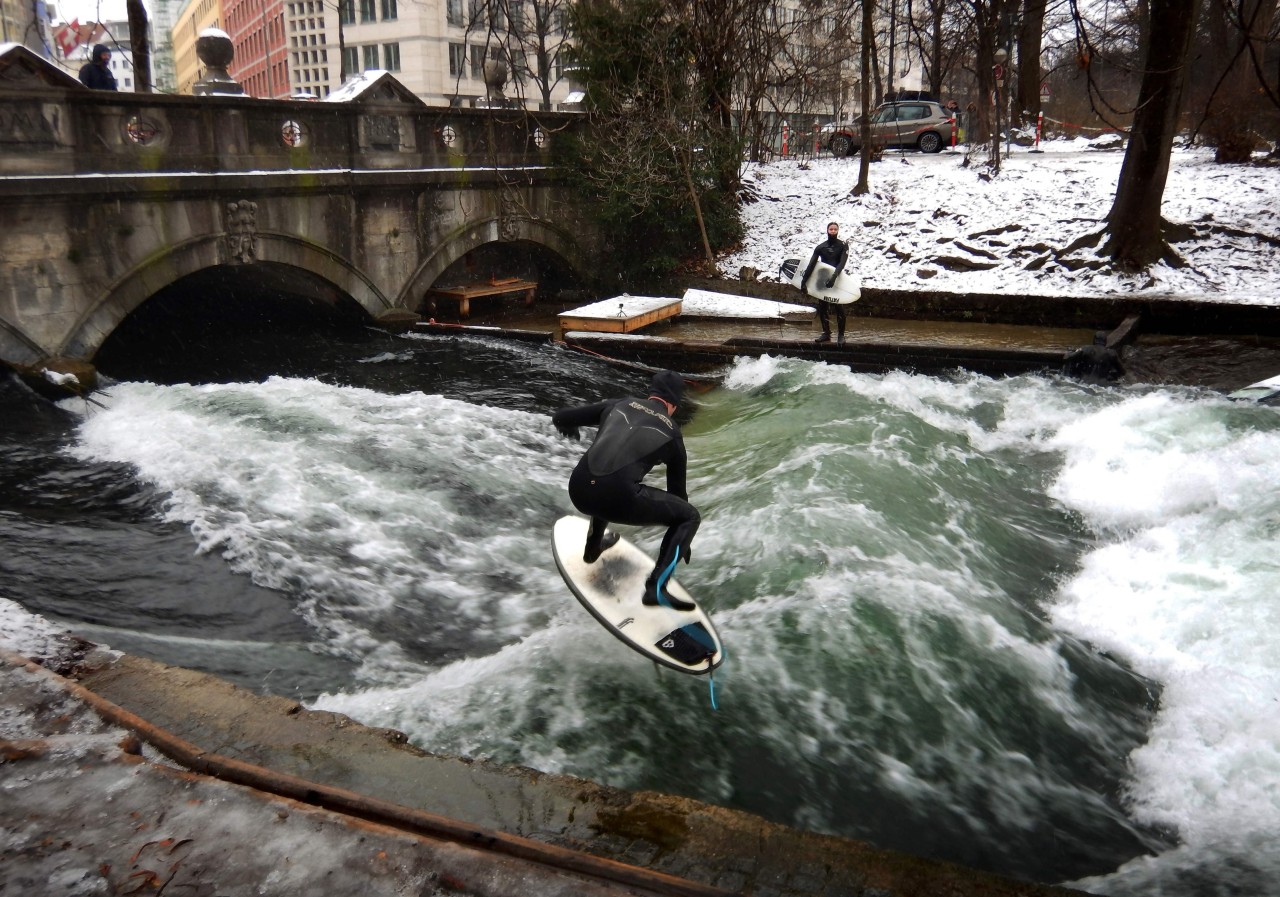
x: 668, y: 386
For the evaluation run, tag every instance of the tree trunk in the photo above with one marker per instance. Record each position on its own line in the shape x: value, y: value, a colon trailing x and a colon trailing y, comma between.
x: 686, y: 168
x: 936, y: 49
x: 863, y: 186
x: 986, y: 20
x: 1134, y: 224
x: 1030, y: 35
x: 140, y: 45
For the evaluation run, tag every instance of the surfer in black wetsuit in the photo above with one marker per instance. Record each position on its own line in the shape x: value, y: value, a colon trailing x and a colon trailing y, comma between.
x: 834, y: 252
x: 634, y: 436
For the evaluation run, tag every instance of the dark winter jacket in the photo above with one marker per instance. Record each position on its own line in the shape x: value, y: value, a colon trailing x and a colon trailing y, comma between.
x: 96, y: 73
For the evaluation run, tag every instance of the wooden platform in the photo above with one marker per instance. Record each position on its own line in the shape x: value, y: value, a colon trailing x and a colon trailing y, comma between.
x: 621, y: 314
x: 464, y: 294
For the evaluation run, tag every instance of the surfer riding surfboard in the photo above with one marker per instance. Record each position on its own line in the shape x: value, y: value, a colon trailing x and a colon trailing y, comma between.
x: 633, y: 436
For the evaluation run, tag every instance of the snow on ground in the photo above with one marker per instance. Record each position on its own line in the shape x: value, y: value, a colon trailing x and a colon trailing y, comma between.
x: 929, y: 223
x: 707, y: 304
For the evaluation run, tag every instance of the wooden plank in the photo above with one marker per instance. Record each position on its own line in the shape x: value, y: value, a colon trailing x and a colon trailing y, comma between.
x: 1124, y: 332
x: 620, y: 315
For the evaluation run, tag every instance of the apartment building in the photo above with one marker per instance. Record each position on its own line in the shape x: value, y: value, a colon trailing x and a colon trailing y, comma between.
x: 435, y: 48
x: 194, y: 17
x: 257, y: 32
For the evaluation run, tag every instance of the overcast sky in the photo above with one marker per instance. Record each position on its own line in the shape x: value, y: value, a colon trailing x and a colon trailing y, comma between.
x: 91, y: 10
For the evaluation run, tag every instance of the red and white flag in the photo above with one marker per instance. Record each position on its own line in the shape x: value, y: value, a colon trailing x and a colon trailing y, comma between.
x: 68, y: 37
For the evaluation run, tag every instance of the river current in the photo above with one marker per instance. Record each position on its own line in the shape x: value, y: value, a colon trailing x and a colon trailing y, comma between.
x: 1019, y: 623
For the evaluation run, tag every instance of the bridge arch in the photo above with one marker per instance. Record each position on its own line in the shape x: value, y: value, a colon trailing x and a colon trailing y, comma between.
x: 462, y: 240
x: 176, y: 262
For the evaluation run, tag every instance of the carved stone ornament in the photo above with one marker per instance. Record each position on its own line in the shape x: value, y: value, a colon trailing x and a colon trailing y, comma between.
x: 241, y: 231
x: 294, y: 133
x: 508, y: 226
x: 142, y: 130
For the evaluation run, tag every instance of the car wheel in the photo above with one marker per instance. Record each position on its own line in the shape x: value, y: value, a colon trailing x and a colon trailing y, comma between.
x: 840, y: 146
x: 930, y: 142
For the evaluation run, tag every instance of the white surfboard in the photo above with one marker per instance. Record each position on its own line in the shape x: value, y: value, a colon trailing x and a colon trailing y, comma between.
x: 846, y: 287
x: 611, y: 589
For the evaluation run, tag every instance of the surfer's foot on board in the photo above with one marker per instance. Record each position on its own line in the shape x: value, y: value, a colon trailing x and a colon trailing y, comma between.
x: 655, y: 597
x: 592, y: 553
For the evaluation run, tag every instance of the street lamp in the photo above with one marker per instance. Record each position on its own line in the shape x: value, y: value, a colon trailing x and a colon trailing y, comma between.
x: 997, y: 73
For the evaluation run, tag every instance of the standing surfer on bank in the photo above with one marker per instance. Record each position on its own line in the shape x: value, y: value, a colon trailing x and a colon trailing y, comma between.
x: 834, y: 252
x: 634, y: 436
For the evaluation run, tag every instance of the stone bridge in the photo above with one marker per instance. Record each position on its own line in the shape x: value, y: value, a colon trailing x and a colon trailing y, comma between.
x: 108, y: 198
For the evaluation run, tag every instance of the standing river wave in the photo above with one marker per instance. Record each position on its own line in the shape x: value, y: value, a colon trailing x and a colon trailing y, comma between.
x: 1021, y: 623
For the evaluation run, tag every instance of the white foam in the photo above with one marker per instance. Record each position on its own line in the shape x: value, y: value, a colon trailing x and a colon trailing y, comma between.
x: 355, y: 500
x: 1185, y: 590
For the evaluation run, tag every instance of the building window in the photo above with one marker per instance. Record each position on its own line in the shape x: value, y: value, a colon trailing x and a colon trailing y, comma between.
x: 477, y: 63
x: 347, y: 12
x: 370, y: 57
x: 454, y: 12
x: 389, y: 10
x: 391, y: 57
x: 367, y: 11
x: 457, y: 60
x: 350, y: 60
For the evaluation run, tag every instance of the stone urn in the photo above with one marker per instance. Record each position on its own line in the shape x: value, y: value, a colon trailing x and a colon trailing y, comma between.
x: 216, y: 51
x: 495, y: 78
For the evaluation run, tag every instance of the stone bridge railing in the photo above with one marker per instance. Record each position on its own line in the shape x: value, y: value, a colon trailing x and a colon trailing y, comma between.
x: 107, y: 198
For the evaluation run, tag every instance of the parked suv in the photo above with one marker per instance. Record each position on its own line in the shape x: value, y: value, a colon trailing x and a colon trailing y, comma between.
x: 921, y: 124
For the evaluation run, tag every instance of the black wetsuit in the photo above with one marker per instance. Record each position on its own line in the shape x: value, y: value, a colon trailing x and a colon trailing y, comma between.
x: 634, y: 436
x: 834, y: 252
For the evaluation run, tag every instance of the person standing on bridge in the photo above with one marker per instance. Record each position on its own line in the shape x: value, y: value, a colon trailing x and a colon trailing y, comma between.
x: 834, y: 252
x: 634, y: 436
x: 96, y: 73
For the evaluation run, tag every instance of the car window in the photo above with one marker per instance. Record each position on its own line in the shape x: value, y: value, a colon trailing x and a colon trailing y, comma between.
x: 914, y: 113
x: 883, y: 115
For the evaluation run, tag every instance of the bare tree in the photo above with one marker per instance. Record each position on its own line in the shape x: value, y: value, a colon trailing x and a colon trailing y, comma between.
x: 863, y: 186
x: 1135, y: 227
x: 1237, y: 33
x: 942, y: 36
x: 532, y: 39
x: 1029, y: 39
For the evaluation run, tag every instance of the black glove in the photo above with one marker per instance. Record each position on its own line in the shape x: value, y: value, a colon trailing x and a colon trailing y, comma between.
x: 568, y: 431
x: 831, y: 283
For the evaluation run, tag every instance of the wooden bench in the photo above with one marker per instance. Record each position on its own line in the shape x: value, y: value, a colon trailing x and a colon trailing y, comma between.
x: 464, y: 294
